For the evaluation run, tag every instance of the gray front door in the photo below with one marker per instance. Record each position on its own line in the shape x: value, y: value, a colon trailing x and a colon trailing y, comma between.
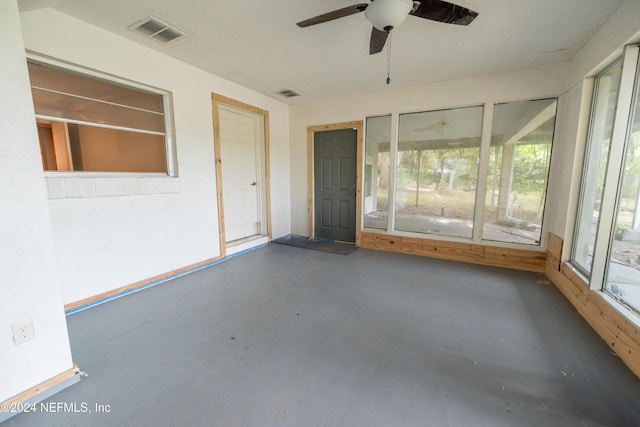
x: 334, y: 166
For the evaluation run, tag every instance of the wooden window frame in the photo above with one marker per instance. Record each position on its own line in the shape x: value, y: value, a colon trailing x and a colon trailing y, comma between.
x: 66, y: 167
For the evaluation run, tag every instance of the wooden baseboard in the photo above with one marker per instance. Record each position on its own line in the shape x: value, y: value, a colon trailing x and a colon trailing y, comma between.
x: 40, y: 388
x: 74, y: 306
x: 615, y: 329
x: 554, y: 252
x: 518, y: 259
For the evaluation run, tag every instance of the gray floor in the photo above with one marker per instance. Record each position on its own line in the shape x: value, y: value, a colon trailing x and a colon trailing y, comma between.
x: 284, y: 336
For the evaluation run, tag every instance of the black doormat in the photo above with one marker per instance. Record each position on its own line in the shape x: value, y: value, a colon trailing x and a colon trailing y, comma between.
x: 316, y: 245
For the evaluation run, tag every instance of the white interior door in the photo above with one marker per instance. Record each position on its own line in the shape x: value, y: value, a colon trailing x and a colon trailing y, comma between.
x: 240, y: 142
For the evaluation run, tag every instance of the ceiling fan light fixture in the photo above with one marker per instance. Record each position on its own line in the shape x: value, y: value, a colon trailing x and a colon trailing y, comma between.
x: 388, y: 14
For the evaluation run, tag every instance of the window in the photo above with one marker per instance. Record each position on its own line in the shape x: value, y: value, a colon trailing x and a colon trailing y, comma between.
x: 438, y: 154
x: 623, y: 279
x: 521, y: 137
x: 424, y: 178
x: 90, y: 124
x: 606, y: 244
x: 376, y: 171
x: 605, y: 99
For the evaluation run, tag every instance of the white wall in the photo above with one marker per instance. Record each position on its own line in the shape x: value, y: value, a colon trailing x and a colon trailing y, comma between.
x: 622, y: 28
x: 29, y: 288
x: 566, y: 158
x: 538, y: 82
x: 106, y: 242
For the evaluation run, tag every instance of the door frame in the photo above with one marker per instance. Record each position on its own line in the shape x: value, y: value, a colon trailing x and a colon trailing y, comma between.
x: 311, y: 130
x: 216, y: 100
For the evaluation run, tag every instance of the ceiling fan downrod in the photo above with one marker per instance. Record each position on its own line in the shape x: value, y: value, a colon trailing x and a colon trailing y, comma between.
x: 389, y: 59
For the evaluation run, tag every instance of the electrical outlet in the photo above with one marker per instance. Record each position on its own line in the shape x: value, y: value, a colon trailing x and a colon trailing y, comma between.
x: 23, y: 331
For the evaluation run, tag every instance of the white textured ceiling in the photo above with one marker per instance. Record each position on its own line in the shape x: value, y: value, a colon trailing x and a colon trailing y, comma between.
x: 256, y: 43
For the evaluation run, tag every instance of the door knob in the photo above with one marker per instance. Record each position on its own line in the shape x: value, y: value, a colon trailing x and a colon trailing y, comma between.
x: 254, y: 183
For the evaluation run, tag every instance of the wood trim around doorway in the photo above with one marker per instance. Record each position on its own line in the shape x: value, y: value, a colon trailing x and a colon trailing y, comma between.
x: 216, y: 100
x: 357, y: 126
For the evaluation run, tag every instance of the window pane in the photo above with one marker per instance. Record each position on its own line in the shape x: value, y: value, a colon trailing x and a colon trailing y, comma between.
x: 376, y: 172
x: 65, y: 81
x: 51, y: 104
x: 521, y: 137
x: 98, y: 149
x: 47, y: 149
x: 91, y: 124
x: 624, y: 257
x: 438, y: 154
x: 602, y: 116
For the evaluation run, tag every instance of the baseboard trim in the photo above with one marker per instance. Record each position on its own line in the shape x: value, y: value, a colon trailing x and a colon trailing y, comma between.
x: 30, y: 397
x: 103, y: 297
x: 620, y: 334
x: 517, y: 259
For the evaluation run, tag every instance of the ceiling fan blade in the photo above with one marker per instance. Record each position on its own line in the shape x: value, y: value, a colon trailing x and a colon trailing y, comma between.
x: 335, y: 14
x: 378, y: 40
x: 442, y: 11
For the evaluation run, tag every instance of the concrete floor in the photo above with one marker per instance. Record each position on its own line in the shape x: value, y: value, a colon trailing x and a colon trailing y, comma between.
x: 283, y: 336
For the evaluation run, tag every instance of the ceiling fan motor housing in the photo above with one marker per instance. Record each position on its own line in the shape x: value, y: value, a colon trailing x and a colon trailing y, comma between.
x: 388, y: 14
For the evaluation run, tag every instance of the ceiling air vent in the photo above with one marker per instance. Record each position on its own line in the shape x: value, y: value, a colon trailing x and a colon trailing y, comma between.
x: 156, y: 29
x: 288, y: 93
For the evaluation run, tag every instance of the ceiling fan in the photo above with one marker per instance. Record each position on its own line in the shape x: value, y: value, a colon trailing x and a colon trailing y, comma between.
x: 385, y: 15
